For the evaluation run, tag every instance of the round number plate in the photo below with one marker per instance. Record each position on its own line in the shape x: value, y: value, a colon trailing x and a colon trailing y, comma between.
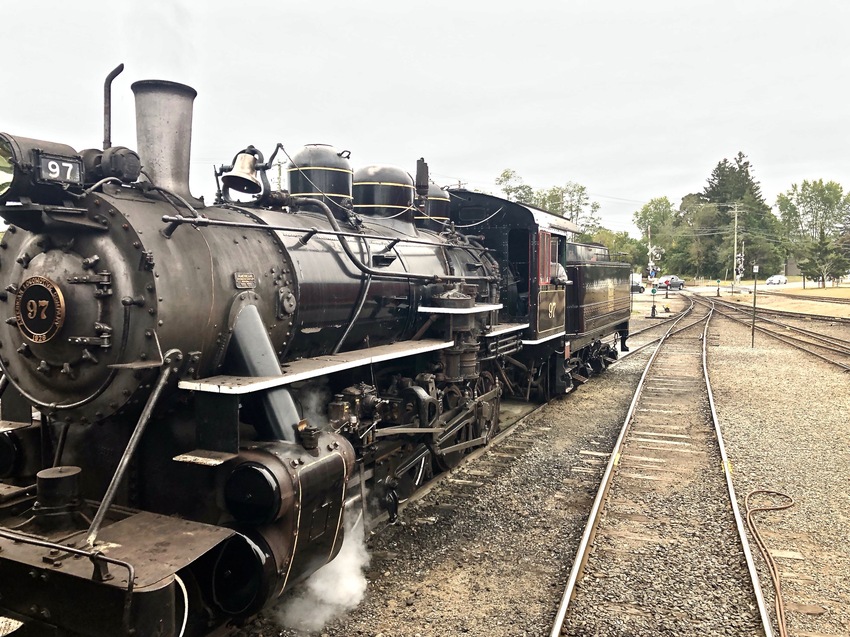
x: 39, y: 309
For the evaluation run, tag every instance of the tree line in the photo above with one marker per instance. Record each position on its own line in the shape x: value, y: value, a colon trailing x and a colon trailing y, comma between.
x: 811, y: 229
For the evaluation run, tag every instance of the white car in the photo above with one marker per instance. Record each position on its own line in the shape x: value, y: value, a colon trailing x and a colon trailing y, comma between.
x: 777, y: 279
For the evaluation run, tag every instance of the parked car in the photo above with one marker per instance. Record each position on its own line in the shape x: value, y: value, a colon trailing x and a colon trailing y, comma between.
x: 671, y: 281
x: 637, y: 287
x: 777, y: 279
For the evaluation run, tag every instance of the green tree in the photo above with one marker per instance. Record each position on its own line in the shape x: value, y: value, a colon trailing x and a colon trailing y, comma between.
x: 823, y: 259
x: 655, y: 220
x: 698, y: 223
x: 814, y: 217
x: 513, y: 187
x: 732, y: 181
x: 570, y: 201
x: 620, y: 243
x: 813, y: 209
x: 733, y: 191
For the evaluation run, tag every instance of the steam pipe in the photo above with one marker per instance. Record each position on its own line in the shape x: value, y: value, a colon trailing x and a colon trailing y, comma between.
x: 365, y: 269
x: 60, y: 446
x: 206, y: 221
x: 364, y: 291
x: 107, y: 105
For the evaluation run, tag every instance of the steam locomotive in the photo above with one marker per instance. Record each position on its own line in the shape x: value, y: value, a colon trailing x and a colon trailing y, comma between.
x: 195, y: 397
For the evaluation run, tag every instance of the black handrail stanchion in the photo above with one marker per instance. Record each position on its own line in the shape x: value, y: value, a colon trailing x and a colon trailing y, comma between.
x: 167, y: 369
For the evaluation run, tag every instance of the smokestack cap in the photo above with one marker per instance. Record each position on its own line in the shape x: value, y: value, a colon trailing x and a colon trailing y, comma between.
x: 163, y: 85
x: 164, y: 133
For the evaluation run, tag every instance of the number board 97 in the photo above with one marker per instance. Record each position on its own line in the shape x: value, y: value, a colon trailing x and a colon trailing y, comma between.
x: 56, y: 168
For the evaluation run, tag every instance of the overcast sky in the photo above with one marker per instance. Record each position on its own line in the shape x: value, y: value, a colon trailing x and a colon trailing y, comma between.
x: 632, y: 99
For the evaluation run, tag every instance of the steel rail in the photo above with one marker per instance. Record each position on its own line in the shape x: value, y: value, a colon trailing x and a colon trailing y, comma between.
x: 828, y: 342
x: 806, y: 297
x: 589, y: 532
x: 635, y: 350
x: 595, y: 511
x: 791, y: 341
x: 658, y: 324
x: 727, y: 473
x: 834, y: 343
x: 768, y: 310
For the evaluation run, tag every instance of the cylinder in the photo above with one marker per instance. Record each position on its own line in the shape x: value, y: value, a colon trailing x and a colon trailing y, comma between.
x: 58, y: 487
x: 164, y: 132
x: 253, y: 494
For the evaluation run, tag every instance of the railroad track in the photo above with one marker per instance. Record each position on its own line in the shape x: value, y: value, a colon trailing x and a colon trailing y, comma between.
x: 509, y: 439
x: 743, y: 307
x: 808, y: 297
x: 665, y: 550
x: 489, y: 538
x: 828, y: 347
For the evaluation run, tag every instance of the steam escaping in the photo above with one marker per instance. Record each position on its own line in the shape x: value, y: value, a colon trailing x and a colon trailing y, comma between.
x: 314, y: 398
x: 334, y: 589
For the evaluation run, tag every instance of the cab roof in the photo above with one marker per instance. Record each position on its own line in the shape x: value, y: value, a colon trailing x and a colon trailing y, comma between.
x: 469, y: 207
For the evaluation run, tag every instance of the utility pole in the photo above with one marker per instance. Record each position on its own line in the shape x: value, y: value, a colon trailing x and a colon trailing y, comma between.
x: 735, y: 254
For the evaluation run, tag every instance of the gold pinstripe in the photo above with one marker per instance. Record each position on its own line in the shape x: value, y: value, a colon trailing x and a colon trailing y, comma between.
x: 339, y: 170
x: 318, y: 194
x: 382, y: 183
x: 378, y: 205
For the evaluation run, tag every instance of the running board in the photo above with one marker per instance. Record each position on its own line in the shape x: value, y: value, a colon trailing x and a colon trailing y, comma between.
x: 578, y: 378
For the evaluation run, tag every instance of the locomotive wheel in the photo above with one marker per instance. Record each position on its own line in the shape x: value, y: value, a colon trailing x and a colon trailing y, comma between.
x: 414, y: 478
x: 539, y: 385
x: 598, y: 364
x: 490, y: 427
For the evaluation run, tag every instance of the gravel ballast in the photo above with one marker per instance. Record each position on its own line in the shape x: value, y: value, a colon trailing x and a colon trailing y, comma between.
x: 493, y: 559
x: 784, y: 417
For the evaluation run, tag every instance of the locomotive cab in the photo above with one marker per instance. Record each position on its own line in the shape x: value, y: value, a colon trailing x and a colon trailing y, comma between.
x: 544, y: 279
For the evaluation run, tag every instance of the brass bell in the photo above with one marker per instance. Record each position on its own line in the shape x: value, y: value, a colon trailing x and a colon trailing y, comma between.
x: 243, y: 177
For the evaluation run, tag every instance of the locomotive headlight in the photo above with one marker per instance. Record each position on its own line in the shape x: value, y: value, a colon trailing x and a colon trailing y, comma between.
x: 40, y: 170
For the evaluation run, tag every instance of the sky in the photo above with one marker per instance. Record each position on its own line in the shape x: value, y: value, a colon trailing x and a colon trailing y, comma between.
x: 633, y: 100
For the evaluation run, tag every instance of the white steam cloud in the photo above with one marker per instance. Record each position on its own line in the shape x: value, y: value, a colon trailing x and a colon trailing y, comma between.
x: 334, y: 589
x: 314, y: 399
